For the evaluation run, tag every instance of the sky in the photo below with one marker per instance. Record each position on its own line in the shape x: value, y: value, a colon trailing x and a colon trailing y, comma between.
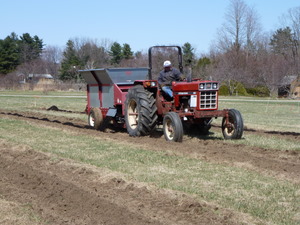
x: 141, y: 24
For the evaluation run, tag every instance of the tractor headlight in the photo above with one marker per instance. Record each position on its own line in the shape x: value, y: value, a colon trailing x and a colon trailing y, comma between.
x: 150, y: 84
x: 201, y: 86
x: 215, y: 85
x: 153, y: 84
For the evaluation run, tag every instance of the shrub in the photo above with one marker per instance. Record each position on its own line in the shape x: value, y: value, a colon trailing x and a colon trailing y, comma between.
x: 260, y: 91
x: 224, y: 90
x: 239, y: 89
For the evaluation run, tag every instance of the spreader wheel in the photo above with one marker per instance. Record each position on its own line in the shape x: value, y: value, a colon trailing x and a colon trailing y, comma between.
x: 95, y: 119
x: 235, y: 126
x: 172, y: 126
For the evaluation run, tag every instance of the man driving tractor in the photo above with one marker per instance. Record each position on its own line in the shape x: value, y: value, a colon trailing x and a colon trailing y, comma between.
x: 167, y: 76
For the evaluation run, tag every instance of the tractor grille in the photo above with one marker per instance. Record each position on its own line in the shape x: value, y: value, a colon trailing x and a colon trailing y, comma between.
x: 208, y: 100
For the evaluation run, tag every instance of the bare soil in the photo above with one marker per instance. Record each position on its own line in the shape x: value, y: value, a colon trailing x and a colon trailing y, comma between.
x: 60, y: 191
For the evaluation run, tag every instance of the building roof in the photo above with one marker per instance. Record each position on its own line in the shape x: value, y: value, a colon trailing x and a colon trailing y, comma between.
x: 45, y: 76
x: 287, y: 80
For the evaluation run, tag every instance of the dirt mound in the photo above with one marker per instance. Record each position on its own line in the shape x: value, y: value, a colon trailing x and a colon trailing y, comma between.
x: 55, y: 108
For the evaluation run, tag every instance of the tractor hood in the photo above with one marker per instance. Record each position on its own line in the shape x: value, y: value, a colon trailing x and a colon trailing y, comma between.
x: 195, y: 86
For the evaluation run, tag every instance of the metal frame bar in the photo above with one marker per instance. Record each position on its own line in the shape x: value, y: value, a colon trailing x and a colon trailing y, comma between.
x: 164, y: 46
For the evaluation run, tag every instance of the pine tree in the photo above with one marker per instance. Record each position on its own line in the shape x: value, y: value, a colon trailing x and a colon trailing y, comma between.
x: 9, y: 54
x: 70, y: 63
x: 126, y: 51
x: 116, y: 53
x: 188, y: 55
x: 282, y: 41
x: 203, y: 62
x: 30, y: 47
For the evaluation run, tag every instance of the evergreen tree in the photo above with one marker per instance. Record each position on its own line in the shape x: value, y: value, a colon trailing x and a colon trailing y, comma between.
x: 9, y: 54
x: 282, y: 41
x: 15, y: 51
x: 30, y: 47
x: 188, y: 55
x: 203, y: 62
x: 116, y: 53
x: 70, y: 63
x: 126, y: 51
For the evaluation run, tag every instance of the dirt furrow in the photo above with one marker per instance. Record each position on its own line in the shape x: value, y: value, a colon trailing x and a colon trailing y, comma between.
x: 283, y: 164
x: 64, y: 192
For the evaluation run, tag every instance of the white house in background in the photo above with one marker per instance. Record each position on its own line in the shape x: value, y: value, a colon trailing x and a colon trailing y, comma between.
x: 37, y: 77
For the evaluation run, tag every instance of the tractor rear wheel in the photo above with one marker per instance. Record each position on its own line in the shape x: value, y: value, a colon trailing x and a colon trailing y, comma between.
x: 95, y: 119
x: 172, y: 127
x: 235, y: 127
x: 140, y: 111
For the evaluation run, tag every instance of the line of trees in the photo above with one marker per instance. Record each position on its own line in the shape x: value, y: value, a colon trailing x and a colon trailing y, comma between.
x: 15, y: 51
x: 88, y: 54
x: 242, y: 53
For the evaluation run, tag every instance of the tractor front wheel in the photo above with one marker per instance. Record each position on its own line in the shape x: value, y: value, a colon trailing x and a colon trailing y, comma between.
x: 172, y: 127
x: 95, y: 119
x: 233, y: 129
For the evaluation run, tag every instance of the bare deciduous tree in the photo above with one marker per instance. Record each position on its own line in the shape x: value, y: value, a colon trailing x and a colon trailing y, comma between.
x: 292, y: 19
x: 241, y: 28
x: 253, y: 30
x: 273, y: 69
x: 51, y: 57
x: 91, y: 53
x: 233, y: 30
x: 241, y: 46
x: 52, y: 54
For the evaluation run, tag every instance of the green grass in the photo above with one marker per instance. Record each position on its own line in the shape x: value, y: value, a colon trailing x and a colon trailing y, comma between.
x: 43, y: 93
x: 270, y: 142
x: 269, y: 116
x: 39, y: 103
x: 261, y: 141
x: 14, y: 213
x: 263, y: 197
x: 272, y: 115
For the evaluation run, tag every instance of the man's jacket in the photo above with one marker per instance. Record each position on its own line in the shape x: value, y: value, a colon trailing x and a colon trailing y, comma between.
x: 166, y: 78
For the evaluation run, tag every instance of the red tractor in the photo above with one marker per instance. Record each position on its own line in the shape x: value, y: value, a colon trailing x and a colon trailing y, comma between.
x: 130, y: 98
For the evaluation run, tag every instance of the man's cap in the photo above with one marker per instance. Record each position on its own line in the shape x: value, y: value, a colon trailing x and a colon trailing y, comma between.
x: 167, y: 63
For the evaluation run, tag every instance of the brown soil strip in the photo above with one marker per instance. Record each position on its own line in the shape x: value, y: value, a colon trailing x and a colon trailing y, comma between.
x: 60, y: 191
x: 283, y: 164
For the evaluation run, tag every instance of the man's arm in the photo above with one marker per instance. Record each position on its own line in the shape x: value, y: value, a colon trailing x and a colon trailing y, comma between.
x: 179, y: 76
x: 160, y: 80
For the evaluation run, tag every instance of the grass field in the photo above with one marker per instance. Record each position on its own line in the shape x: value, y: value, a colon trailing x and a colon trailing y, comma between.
x: 258, y: 113
x: 267, y: 114
x: 260, y: 196
x: 266, y: 199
